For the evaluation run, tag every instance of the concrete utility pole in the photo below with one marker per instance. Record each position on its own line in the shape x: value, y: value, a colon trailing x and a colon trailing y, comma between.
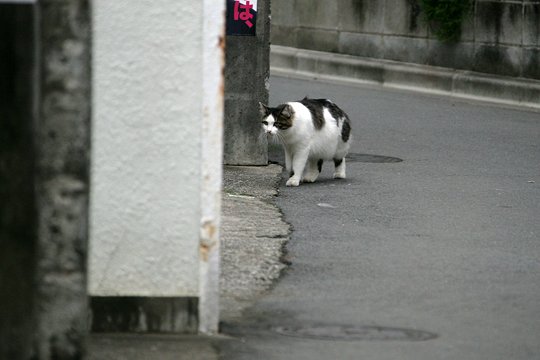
x: 246, y: 83
x: 156, y: 169
x: 44, y: 171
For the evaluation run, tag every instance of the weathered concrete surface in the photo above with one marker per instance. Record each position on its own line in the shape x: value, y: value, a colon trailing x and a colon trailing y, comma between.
x: 45, y: 161
x: 147, y: 143
x: 62, y: 139
x: 157, y: 158
x: 260, y: 182
x: 117, y: 314
x: 253, y: 236
x: 246, y: 83
x: 150, y: 347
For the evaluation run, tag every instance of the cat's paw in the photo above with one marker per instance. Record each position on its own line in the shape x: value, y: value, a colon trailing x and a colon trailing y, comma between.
x: 339, y: 176
x: 293, y: 181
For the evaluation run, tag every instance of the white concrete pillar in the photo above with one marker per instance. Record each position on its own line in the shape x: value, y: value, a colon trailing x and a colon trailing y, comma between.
x: 157, y: 152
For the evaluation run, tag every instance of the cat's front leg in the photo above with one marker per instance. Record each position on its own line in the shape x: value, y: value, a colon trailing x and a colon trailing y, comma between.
x: 288, y: 162
x: 299, y: 160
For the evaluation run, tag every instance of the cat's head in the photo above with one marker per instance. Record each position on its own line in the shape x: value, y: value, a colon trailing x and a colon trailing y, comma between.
x: 276, y: 119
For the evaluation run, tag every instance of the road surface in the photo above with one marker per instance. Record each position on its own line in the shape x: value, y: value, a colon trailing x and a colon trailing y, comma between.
x: 434, y: 257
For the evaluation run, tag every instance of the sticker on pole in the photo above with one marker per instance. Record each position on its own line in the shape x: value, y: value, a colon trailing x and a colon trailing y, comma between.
x: 241, y: 17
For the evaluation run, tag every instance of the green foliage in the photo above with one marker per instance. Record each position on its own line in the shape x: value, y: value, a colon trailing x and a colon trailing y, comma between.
x: 446, y: 16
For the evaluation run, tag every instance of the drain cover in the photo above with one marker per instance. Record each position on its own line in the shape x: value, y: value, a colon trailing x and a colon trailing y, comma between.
x: 355, y: 333
x: 369, y: 158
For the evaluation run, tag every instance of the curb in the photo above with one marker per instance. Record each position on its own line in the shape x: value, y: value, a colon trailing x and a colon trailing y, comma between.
x: 293, y: 62
x: 253, y: 236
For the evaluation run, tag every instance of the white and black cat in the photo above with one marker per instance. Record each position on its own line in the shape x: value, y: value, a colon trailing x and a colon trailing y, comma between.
x: 311, y: 131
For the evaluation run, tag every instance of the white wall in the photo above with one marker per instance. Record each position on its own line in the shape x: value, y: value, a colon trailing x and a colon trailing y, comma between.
x: 155, y: 180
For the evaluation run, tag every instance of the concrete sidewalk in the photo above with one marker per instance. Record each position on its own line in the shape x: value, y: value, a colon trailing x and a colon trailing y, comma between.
x: 253, y: 234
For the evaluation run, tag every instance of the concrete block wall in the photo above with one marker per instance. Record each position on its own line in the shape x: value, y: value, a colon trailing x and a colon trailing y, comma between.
x: 499, y: 36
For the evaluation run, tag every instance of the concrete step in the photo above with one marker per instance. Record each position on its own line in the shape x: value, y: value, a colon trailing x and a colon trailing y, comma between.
x: 288, y: 61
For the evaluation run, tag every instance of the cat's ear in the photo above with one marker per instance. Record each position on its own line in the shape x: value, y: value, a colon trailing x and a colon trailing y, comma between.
x: 263, y: 108
x: 287, y: 112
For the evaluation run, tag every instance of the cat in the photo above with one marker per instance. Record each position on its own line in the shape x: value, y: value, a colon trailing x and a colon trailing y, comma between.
x: 311, y: 131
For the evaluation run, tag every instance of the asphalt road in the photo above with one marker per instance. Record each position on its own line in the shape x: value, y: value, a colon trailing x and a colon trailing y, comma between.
x: 434, y: 257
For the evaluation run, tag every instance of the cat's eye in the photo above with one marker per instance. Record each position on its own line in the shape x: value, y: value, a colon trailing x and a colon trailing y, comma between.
x: 265, y: 122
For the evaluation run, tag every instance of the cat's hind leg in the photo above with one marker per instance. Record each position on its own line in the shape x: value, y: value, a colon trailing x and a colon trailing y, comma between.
x: 313, y: 169
x: 339, y: 173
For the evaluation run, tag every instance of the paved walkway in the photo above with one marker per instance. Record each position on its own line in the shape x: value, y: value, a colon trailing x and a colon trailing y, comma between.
x: 253, y: 235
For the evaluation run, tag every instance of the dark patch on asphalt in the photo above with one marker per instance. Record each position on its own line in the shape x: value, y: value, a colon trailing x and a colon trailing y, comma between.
x: 355, y: 333
x: 329, y: 332
x: 370, y: 158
